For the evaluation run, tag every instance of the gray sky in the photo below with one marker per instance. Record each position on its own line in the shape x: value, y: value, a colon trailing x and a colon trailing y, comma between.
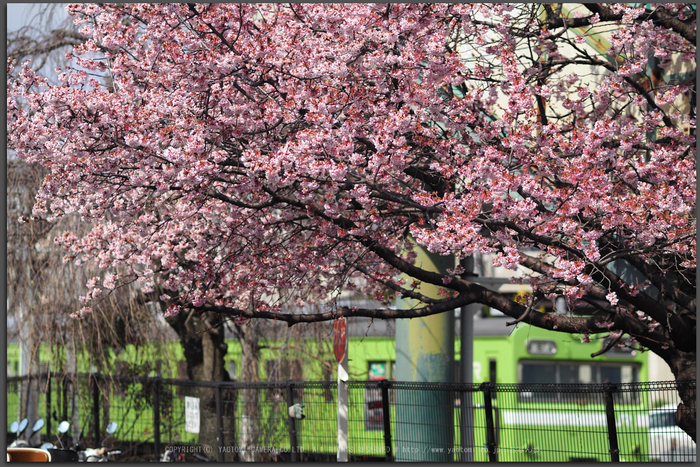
x: 19, y: 14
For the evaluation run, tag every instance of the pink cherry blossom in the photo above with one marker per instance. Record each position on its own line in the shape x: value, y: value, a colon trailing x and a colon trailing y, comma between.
x: 612, y: 298
x: 259, y: 157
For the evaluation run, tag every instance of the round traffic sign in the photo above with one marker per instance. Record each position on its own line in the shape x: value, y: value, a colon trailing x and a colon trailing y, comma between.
x: 340, y: 340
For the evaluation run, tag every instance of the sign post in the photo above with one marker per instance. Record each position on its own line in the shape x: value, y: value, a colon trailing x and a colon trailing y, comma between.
x: 191, y: 414
x: 340, y: 350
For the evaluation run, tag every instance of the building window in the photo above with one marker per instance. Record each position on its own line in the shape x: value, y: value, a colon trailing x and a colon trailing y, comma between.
x: 374, y: 415
x: 377, y: 371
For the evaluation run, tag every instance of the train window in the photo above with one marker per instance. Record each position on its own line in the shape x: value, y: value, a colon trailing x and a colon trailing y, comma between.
x: 610, y: 374
x: 568, y: 374
x: 662, y: 419
x: 618, y: 374
x: 537, y: 373
x: 573, y: 373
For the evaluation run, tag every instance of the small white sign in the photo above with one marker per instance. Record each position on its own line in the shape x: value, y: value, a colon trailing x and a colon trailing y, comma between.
x: 191, y: 414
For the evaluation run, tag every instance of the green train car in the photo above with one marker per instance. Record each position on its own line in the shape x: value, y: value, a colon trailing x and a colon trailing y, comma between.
x: 506, y: 355
x: 521, y: 354
x: 531, y: 426
x: 514, y: 356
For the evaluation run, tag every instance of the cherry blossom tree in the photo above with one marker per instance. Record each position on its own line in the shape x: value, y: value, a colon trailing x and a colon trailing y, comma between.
x: 45, y: 38
x: 42, y: 290
x: 242, y: 157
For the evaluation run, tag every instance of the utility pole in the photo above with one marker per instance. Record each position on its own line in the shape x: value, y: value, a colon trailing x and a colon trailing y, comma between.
x: 472, y: 269
x: 425, y: 353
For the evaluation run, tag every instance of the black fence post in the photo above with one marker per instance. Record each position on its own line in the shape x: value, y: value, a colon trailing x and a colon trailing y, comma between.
x: 466, y: 423
x: 48, y: 404
x: 609, y: 389
x: 384, y: 385
x: 64, y: 393
x: 487, y: 388
x: 292, y: 423
x: 96, y: 408
x: 219, y: 423
x: 156, y: 417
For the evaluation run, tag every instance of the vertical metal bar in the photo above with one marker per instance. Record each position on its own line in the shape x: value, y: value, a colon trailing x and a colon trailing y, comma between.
x: 465, y: 425
x: 48, y: 404
x: 609, y: 389
x: 292, y: 423
x: 156, y: 417
x: 96, y: 408
x: 490, y: 430
x: 384, y: 385
x: 219, y: 423
x: 64, y: 393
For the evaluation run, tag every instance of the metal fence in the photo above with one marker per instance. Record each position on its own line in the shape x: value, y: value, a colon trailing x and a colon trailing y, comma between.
x: 387, y: 420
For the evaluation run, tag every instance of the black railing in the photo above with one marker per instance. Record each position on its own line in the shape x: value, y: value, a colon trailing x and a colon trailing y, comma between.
x: 387, y: 420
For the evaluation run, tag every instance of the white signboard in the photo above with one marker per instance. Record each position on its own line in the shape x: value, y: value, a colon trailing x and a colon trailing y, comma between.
x: 191, y: 414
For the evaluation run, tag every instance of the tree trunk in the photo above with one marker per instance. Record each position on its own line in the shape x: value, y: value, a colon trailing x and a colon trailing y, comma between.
x: 250, y: 424
x: 683, y: 367
x: 29, y: 348
x: 204, y: 346
x: 73, y: 385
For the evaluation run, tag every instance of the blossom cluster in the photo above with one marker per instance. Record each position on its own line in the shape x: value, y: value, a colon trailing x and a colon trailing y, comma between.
x: 245, y: 155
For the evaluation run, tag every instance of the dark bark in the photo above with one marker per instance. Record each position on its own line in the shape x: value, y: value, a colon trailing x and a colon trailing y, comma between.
x: 204, y: 346
x: 657, y: 14
x: 250, y: 418
x: 684, y: 369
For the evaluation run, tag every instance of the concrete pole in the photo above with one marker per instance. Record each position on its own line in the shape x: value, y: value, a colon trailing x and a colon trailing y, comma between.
x: 425, y: 353
x: 472, y: 268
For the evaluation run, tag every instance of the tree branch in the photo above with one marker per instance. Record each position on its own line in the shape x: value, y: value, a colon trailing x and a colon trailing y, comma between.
x: 658, y: 15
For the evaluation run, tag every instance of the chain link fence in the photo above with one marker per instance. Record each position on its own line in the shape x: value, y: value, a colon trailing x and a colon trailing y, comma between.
x: 387, y: 420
